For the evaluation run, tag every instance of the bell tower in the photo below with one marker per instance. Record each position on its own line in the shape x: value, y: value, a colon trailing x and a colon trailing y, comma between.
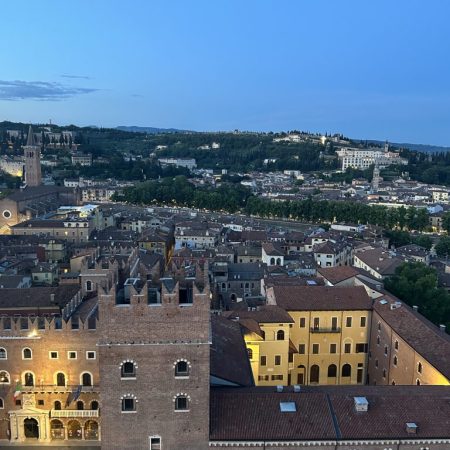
x: 32, y: 152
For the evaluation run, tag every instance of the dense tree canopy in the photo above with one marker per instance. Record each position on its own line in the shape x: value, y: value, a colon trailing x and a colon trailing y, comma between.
x: 416, y: 284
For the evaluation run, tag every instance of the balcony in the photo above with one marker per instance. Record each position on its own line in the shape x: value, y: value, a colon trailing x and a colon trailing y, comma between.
x: 325, y: 330
x: 74, y: 413
x: 54, y: 388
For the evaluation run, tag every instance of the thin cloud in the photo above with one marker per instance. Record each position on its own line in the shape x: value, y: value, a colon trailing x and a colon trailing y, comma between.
x: 79, y: 77
x: 137, y: 95
x: 39, y: 90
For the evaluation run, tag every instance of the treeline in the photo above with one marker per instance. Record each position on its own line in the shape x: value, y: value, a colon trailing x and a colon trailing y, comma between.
x: 416, y: 284
x: 235, y: 197
x: 178, y: 191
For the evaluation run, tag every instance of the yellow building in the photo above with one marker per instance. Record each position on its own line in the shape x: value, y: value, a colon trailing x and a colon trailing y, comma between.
x: 266, y: 332
x: 309, y: 335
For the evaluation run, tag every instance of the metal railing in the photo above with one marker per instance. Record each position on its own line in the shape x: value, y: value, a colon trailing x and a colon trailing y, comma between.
x: 326, y: 330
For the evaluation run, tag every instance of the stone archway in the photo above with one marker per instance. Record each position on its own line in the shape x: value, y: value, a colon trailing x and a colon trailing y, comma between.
x: 31, y: 428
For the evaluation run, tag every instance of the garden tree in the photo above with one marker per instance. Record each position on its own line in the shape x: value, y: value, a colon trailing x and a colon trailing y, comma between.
x: 442, y: 248
x: 446, y: 222
x: 398, y: 238
x: 416, y: 284
x: 424, y: 241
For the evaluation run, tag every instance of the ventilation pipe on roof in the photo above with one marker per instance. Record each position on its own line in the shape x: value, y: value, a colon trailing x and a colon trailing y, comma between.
x: 279, y: 388
x: 415, y: 308
x: 442, y: 327
x: 411, y: 428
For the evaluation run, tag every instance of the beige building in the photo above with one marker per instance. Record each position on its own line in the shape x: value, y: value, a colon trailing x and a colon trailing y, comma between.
x: 405, y: 348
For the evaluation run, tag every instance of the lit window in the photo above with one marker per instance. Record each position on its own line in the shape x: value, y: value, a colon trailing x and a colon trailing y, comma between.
x: 4, y: 377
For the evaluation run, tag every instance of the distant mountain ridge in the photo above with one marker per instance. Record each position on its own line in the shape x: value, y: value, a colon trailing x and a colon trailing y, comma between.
x: 423, y: 148
x: 150, y: 130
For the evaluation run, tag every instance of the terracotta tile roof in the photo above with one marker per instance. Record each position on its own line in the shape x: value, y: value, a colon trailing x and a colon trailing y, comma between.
x: 265, y: 314
x: 337, y: 274
x: 430, y: 342
x: 380, y: 260
x: 247, y: 415
x: 328, y: 412
x: 321, y: 298
x: 228, y: 354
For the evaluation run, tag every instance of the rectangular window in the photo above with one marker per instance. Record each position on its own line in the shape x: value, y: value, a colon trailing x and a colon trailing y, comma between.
x: 348, y: 322
x: 277, y: 360
x: 90, y: 355
x: 53, y: 355
x: 316, y: 323
x: 362, y: 323
x: 41, y: 323
x: 155, y: 443
x: 263, y: 360
x: 334, y: 322
x: 291, y: 357
x: 347, y: 348
x: 72, y: 355
x: 24, y: 323
x: 41, y: 402
x: 362, y: 348
x: 277, y: 377
x: 263, y: 377
x: 315, y: 349
x: 301, y: 349
x: 6, y: 323
x: 302, y: 322
x: 333, y: 348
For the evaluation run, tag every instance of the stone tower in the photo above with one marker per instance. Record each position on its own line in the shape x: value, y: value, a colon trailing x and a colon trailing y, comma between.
x: 376, y: 178
x: 32, y: 154
x: 154, y: 366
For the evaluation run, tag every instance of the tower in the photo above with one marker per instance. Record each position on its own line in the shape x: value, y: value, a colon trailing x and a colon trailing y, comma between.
x: 376, y: 178
x: 32, y: 154
x: 154, y: 367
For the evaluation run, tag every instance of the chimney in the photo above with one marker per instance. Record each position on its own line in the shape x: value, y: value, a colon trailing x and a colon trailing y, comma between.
x: 52, y: 298
x: 297, y: 388
x: 279, y: 388
x: 361, y: 404
x: 442, y: 327
x: 415, y: 308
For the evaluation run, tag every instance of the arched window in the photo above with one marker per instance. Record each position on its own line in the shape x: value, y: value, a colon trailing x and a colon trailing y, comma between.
x: 60, y: 379
x: 56, y: 429
x: 419, y: 367
x: 280, y: 335
x: 314, y: 374
x: 28, y: 379
x: 418, y: 382
x: 378, y: 340
x: 94, y: 405
x: 128, y: 370
x: 272, y: 261
x: 91, y: 430
x: 86, y: 379
x: 182, y: 402
x: 396, y: 345
x: 57, y: 405
x: 128, y: 403
x: 89, y: 285
x: 278, y: 261
x: 346, y: 370
x: 395, y: 360
x: 182, y: 369
x: 3, y: 354
x: 80, y: 405
x: 26, y: 353
x: 74, y: 430
x: 2, y: 404
x: 250, y: 353
x: 4, y: 377
x: 332, y: 371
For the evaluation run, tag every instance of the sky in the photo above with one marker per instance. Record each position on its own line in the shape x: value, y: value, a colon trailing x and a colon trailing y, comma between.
x: 366, y: 69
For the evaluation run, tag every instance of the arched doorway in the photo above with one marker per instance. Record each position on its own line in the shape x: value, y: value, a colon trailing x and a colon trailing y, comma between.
x: 74, y: 429
x: 57, y: 429
x: 31, y: 428
x: 91, y: 430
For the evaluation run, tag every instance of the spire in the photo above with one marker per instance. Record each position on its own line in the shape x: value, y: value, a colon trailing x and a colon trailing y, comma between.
x: 30, y: 137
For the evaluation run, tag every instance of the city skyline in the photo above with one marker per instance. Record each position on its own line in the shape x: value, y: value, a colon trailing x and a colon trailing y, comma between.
x: 367, y: 71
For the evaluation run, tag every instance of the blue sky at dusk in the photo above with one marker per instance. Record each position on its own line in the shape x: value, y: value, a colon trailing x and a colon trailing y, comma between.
x: 368, y: 69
